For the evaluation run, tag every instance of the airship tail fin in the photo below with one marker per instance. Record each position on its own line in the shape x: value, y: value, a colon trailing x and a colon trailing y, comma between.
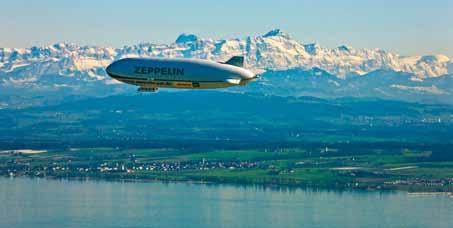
x: 236, y: 61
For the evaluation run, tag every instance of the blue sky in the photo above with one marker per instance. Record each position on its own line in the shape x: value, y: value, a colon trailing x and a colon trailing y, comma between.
x: 403, y: 26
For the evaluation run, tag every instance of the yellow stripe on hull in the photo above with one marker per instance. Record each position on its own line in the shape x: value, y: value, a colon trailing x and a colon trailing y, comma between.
x: 178, y: 84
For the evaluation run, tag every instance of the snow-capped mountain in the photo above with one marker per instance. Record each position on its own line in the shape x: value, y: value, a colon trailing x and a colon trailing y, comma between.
x: 81, y: 68
x: 275, y: 50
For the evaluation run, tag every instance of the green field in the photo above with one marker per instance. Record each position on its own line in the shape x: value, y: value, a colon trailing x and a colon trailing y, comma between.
x: 314, y: 167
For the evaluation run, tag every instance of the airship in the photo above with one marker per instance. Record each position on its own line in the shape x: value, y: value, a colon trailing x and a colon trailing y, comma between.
x: 149, y: 74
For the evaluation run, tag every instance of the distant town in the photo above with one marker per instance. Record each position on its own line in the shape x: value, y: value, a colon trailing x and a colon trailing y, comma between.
x: 220, y: 167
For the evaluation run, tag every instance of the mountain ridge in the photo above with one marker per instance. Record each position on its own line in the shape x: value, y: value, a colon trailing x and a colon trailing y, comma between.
x: 274, y: 50
x: 289, y: 67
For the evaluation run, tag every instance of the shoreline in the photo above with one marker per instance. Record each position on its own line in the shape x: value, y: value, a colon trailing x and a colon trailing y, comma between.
x: 446, y: 190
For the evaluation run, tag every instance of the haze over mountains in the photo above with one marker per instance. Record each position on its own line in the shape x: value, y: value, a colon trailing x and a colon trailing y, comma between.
x: 289, y: 68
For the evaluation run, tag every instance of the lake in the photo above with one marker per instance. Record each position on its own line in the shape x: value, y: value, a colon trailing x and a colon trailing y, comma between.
x: 26, y: 202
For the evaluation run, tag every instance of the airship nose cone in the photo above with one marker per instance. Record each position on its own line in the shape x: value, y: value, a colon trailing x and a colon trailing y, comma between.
x: 112, y: 69
x: 109, y: 69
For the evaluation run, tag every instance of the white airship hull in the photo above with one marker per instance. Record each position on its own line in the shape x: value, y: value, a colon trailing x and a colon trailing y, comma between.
x: 150, y: 74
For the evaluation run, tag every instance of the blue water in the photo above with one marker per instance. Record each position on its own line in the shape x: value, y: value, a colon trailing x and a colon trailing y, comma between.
x: 62, y: 203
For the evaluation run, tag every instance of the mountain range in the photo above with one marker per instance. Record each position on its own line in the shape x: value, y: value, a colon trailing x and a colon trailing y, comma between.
x: 288, y: 67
